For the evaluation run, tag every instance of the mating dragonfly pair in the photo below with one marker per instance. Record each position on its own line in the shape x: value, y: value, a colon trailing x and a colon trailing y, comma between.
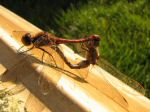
x: 90, y: 46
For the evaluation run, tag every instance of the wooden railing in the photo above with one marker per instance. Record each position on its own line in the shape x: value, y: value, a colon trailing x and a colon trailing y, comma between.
x: 66, y: 93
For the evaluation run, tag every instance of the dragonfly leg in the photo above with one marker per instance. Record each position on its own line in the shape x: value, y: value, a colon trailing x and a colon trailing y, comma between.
x: 26, y: 50
x: 84, y: 47
x: 48, y: 54
x: 20, y: 49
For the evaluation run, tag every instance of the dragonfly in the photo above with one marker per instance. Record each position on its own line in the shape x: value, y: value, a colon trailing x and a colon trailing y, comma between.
x: 45, y: 39
x: 90, y: 46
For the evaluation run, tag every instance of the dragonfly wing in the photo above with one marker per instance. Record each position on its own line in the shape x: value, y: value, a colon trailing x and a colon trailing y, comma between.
x: 51, y: 57
x: 19, y: 34
x: 42, y: 82
x: 43, y: 85
x: 104, y: 86
x: 111, y: 69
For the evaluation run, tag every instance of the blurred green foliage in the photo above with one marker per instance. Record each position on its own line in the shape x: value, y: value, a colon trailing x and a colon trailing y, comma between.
x: 123, y: 25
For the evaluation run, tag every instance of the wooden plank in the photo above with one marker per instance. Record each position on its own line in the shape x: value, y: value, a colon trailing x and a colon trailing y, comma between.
x: 96, y: 95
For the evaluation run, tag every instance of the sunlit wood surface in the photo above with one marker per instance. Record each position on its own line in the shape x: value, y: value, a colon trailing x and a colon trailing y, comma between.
x: 66, y: 94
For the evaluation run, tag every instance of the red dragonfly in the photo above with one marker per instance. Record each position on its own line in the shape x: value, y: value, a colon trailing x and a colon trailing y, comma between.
x: 45, y: 39
x: 90, y: 45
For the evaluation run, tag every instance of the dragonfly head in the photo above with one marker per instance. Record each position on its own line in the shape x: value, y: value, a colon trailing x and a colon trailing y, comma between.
x: 94, y: 41
x: 26, y: 39
x: 95, y: 37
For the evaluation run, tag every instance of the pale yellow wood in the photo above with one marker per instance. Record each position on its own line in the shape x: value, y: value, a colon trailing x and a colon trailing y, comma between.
x: 65, y: 93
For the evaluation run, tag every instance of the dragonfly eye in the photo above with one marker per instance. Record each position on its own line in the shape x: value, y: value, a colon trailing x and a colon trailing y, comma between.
x: 96, y: 43
x: 26, y: 39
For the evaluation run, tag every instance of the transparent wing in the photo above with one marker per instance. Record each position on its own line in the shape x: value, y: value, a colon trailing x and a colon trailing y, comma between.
x: 42, y: 82
x: 43, y: 85
x: 111, y: 69
x: 19, y: 34
x: 107, y: 84
x: 96, y: 77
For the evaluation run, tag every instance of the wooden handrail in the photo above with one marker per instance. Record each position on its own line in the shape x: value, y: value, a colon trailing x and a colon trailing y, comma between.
x: 66, y: 93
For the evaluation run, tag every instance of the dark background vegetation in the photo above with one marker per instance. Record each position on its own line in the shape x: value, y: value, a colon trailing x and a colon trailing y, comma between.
x: 124, y: 26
